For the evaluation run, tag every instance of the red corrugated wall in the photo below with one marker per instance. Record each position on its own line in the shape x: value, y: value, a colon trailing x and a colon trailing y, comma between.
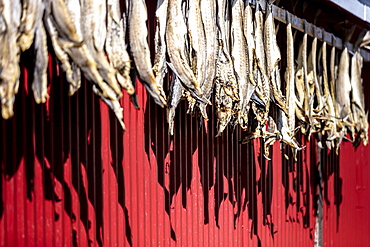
x: 71, y: 177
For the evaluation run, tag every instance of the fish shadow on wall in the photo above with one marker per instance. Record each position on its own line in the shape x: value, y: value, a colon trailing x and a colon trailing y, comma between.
x: 65, y: 131
x: 236, y: 173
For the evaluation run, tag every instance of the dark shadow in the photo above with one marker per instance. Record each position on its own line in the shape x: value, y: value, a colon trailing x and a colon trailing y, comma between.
x: 117, y: 149
x: 65, y: 127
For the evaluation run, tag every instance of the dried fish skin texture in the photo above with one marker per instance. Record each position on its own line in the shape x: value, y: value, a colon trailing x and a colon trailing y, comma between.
x: 30, y: 17
x: 273, y: 57
x: 174, y: 98
x: 358, y: 100
x: 160, y: 65
x: 39, y: 84
x: 140, y: 50
x: 10, y: 51
x: 240, y: 61
x: 226, y: 85
x: 343, y: 87
x: 208, y: 13
x: 115, y: 45
x: 289, y: 78
x: 176, y: 33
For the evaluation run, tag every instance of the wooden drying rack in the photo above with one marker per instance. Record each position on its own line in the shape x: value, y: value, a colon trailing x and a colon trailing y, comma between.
x: 302, y: 25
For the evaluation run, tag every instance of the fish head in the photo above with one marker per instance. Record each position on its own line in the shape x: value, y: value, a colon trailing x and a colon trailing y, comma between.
x: 223, y: 116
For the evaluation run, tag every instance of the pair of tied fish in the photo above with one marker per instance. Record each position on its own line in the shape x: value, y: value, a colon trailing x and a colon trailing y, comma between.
x: 87, y: 36
x: 190, y: 41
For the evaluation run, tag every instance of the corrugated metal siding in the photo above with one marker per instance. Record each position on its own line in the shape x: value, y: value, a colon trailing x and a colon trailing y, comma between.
x: 71, y: 177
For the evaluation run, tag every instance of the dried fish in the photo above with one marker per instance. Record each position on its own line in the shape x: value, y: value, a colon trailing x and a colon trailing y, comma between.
x: 82, y: 57
x: 60, y: 16
x: 197, y: 40
x: 39, y: 84
x: 72, y: 11
x: 226, y: 86
x: 343, y: 91
x: 240, y: 61
x: 160, y: 66
x: 249, y: 37
x: 358, y: 100
x: 260, y: 68
x: 208, y: 13
x: 303, y: 110
x: 140, y: 50
x: 176, y: 33
x: 280, y: 128
x: 289, y: 78
x: 115, y: 43
x: 94, y: 32
x: 174, y: 98
x: 30, y: 17
x: 10, y: 55
x: 197, y: 49
x: 314, y: 88
x: 272, y: 59
x: 340, y: 131
x: 330, y: 121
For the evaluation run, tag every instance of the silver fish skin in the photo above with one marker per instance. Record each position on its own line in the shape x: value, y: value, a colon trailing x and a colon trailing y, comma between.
x: 10, y: 55
x: 59, y: 14
x: 176, y: 32
x: 328, y: 111
x: 240, y: 61
x: 343, y: 92
x: 94, y: 13
x: 226, y: 85
x: 197, y: 49
x: 286, y: 131
x: 174, y: 98
x: 260, y: 69
x: 197, y: 40
x: 226, y: 91
x: 358, y: 99
x: 262, y: 88
x: 289, y: 78
x: 343, y: 87
x: 314, y: 90
x: 272, y: 59
x: 340, y: 129
x: 72, y: 11
x: 62, y: 56
x: 208, y: 13
x: 140, y: 49
x: 39, y: 84
x: 28, y: 22
x: 60, y: 37
x: 303, y: 110
x: 115, y: 44
x: 160, y: 65
x: 249, y: 37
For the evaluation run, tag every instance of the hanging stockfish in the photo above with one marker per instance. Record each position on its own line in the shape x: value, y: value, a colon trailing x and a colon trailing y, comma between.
x: 10, y: 16
x: 226, y: 87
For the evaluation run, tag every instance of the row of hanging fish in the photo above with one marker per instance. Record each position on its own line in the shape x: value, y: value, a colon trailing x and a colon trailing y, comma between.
x: 232, y: 52
x: 212, y: 47
x: 88, y: 37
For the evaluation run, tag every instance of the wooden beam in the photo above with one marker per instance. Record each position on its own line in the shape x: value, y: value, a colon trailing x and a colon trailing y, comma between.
x: 302, y: 25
